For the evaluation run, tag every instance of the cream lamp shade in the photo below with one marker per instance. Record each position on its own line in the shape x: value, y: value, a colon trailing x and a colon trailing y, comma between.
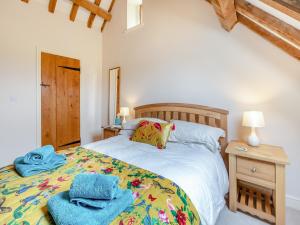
x: 253, y: 119
x: 124, y: 111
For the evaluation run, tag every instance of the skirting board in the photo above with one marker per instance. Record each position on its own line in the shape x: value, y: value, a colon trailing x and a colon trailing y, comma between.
x: 293, y: 202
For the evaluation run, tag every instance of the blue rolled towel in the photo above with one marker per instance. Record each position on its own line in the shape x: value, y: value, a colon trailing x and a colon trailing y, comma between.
x: 65, y: 213
x: 26, y: 170
x: 40, y: 155
x: 94, y: 186
x: 94, y: 203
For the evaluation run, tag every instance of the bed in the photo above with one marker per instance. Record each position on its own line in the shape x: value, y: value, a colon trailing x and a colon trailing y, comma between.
x: 184, y: 184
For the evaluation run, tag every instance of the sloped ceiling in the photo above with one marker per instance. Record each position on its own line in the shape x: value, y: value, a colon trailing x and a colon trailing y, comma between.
x: 274, y: 20
x: 83, y: 14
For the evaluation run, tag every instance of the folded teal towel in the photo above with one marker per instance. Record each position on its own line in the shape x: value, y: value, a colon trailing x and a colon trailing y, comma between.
x: 26, y: 170
x: 40, y: 155
x: 94, y: 203
x: 94, y: 186
x: 65, y: 213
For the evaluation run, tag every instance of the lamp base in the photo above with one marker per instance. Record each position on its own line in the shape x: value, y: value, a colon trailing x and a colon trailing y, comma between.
x: 253, y: 139
x: 124, y: 120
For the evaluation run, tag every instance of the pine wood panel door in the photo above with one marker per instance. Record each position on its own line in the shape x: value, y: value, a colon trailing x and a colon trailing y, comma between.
x: 68, y: 106
x: 60, y: 89
x: 48, y: 103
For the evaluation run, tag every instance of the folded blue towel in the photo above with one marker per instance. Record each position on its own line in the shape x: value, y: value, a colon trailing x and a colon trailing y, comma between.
x: 26, y: 170
x: 65, y: 213
x: 40, y: 155
x: 94, y: 203
x: 94, y: 186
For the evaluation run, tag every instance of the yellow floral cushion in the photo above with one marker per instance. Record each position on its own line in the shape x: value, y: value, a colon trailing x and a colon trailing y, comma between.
x: 152, y: 133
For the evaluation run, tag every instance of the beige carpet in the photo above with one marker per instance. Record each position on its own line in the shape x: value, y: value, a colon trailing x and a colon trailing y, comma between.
x: 229, y: 218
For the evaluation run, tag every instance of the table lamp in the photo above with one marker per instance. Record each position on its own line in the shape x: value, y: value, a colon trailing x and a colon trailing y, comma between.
x: 253, y: 119
x: 124, y: 111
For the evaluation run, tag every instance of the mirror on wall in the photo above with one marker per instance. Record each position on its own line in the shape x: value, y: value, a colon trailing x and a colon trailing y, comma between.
x: 114, y: 94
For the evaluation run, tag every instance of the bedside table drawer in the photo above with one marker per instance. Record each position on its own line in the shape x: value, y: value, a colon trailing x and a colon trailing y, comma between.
x: 109, y: 134
x: 254, y: 168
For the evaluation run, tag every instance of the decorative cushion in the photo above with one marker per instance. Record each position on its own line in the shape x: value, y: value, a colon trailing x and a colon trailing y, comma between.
x: 130, y: 126
x: 153, y: 133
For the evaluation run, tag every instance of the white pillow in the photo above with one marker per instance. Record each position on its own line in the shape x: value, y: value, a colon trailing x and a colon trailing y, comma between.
x: 126, y: 132
x: 130, y: 126
x: 188, y: 132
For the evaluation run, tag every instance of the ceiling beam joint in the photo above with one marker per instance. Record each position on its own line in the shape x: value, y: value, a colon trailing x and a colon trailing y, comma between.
x: 109, y: 10
x: 93, y: 15
x: 225, y: 9
x: 93, y: 8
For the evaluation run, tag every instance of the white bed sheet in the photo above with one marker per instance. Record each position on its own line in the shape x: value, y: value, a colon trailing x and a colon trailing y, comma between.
x: 198, y: 171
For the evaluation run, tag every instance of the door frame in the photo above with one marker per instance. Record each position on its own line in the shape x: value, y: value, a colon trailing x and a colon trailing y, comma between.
x: 38, y: 91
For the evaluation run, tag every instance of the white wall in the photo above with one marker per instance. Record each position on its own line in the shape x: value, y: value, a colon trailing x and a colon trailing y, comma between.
x: 182, y: 54
x: 23, y: 29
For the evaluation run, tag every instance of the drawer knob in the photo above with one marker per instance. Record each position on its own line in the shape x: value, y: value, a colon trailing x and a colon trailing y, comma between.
x: 253, y: 170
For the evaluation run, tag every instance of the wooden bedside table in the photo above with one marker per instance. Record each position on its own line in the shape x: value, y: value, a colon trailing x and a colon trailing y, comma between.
x: 257, y: 181
x: 109, y: 132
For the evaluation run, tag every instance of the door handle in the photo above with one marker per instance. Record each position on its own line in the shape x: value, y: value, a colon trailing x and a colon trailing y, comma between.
x: 45, y: 85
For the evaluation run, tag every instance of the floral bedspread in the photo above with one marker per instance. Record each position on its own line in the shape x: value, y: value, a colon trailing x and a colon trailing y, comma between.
x: 23, y: 201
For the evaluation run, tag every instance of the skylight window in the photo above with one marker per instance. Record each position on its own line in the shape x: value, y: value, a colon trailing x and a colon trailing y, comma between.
x: 134, y: 13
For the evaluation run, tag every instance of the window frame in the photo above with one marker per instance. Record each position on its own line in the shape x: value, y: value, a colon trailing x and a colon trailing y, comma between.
x: 141, y: 18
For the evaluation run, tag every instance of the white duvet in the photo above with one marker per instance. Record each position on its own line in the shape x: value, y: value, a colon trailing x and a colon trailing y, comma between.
x: 198, y: 171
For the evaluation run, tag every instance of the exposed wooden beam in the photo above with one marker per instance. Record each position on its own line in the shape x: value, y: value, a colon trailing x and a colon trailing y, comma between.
x: 278, y: 26
x: 292, y: 8
x: 226, y: 12
x: 74, y: 11
x: 269, y: 27
x: 109, y: 10
x: 290, y: 49
x: 26, y: 1
x: 52, y: 5
x: 93, y: 8
x: 92, y: 15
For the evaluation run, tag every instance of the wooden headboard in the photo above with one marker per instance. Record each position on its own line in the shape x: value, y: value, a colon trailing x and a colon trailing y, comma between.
x: 188, y: 112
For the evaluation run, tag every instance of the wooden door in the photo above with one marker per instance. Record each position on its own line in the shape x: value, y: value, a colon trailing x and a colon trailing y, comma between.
x: 68, y: 105
x: 60, y: 101
x: 48, y: 101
